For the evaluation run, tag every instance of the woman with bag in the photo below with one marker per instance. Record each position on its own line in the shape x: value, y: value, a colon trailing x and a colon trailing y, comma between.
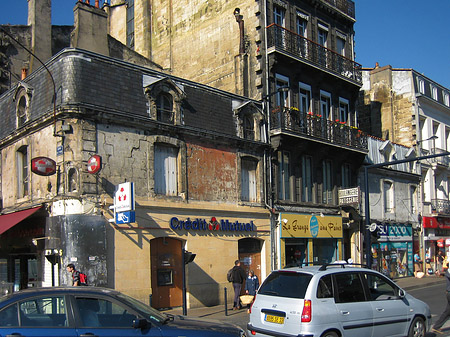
x: 251, y: 286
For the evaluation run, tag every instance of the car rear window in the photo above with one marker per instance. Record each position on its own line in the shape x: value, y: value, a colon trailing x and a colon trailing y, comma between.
x: 285, y: 284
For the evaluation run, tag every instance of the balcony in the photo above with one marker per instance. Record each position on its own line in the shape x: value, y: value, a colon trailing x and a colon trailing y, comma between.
x: 345, y: 6
x: 312, y: 126
x: 440, y: 206
x: 285, y: 41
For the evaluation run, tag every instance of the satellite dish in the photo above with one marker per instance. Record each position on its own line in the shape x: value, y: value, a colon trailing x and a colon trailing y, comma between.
x: 373, y: 227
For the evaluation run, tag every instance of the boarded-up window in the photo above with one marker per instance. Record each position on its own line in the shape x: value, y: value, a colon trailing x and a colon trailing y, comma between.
x: 166, y: 170
x: 248, y: 180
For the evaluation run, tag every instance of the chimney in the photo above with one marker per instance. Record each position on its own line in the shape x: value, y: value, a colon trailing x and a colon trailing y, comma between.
x: 40, y: 21
x: 90, y: 30
x: 24, y: 73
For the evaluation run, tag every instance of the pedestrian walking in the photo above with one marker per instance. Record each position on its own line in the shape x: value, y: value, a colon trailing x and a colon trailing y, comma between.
x: 446, y: 314
x: 238, y: 277
x: 251, y: 286
x: 78, y: 279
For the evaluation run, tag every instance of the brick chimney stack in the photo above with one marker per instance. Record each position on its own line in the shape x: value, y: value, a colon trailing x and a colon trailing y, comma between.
x: 90, y: 30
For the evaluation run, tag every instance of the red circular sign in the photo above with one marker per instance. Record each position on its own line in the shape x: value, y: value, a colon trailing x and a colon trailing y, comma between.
x: 43, y: 166
x: 94, y: 164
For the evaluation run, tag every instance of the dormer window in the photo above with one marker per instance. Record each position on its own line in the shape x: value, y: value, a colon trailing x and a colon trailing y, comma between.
x: 248, y: 127
x: 250, y: 121
x: 164, y: 108
x: 165, y: 99
x: 22, y: 98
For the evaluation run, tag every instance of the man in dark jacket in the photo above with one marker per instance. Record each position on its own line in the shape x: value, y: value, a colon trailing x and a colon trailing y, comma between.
x: 75, y: 274
x: 238, y: 275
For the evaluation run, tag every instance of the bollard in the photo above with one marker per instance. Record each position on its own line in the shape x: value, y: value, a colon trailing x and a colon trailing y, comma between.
x: 226, y: 300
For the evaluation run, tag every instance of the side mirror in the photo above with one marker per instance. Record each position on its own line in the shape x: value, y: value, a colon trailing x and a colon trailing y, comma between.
x: 401, y: 293
x: 140, y: 323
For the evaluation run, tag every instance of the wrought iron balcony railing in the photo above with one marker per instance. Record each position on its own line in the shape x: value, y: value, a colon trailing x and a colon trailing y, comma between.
x: 311, y: 52
x: 440, y: 206
x: 345, y: 6
x: 314, y: 126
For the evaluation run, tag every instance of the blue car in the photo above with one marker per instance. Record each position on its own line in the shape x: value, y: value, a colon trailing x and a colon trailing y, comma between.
x: 91, y: 311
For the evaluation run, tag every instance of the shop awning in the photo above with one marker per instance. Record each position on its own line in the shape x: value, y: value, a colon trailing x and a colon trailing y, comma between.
x: 9, y: 220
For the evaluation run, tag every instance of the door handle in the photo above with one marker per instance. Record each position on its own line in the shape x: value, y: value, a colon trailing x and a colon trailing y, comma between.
x: 88, y: 334
x: 14, y: 334
x: 345, y: 312
x: 380, y: 309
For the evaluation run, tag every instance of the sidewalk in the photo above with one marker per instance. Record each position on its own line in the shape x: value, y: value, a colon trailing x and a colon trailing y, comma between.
x: 240, y: 317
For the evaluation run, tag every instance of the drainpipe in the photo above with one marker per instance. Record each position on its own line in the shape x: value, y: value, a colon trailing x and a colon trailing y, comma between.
x: 240, y: 21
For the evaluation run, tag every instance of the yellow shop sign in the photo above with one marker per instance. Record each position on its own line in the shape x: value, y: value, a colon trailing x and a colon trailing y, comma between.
x: 294, y: 225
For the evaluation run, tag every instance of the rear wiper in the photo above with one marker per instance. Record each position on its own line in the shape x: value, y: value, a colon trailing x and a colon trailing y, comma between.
x: 270, y: 293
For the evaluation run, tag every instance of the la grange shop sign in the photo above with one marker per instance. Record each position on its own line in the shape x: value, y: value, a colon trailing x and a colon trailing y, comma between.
x: 211, y: 225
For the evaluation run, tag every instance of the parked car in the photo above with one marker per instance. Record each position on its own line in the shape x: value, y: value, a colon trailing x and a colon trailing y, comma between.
x: 335, y: 300
x: 90, y: 311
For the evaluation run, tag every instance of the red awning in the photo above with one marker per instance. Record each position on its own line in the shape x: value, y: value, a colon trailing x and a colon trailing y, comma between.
x: 9, y: 220
x: 436, y: 222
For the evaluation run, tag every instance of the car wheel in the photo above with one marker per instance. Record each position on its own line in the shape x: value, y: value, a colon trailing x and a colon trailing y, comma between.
x: 417, y: 328
x: 330, y: 334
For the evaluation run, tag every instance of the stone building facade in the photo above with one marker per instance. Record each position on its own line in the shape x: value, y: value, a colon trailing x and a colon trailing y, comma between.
x: 408, y: 108
x: 296, y: 57
x: 195, y: 155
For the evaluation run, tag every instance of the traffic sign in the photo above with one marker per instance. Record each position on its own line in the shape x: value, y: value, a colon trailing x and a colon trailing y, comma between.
x: 125, y: 217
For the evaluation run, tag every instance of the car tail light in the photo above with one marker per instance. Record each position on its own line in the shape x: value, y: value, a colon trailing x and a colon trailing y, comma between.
x: 306, y: 313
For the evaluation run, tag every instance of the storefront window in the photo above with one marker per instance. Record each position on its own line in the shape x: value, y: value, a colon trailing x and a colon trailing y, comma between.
x: 325, y: 251
x: 393, y: 259
x: 296, y: 252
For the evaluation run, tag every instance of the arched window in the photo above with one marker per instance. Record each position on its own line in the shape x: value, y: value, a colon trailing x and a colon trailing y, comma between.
x: 248, y: 127
x: 164, y: 108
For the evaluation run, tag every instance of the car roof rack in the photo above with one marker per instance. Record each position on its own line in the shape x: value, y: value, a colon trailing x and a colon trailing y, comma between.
x: 342, y: 265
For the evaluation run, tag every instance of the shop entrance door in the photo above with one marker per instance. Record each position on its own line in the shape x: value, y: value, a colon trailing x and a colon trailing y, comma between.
x: 166, y: 273
x: 250, y: 256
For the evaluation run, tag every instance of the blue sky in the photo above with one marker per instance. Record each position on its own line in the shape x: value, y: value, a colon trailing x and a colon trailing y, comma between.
x: 401, y: 33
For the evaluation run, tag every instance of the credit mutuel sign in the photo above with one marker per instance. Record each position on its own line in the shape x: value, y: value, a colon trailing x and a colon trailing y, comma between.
x: 211, y: 225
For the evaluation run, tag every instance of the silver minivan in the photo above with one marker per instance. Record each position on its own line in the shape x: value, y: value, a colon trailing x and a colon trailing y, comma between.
x: 335, y: 300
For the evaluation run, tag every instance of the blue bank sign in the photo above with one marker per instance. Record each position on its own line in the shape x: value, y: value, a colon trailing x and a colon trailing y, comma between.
x: 211, y: 225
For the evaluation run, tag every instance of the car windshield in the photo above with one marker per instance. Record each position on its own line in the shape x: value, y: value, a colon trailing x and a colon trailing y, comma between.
x: 285, y: 284
x: 151, y: 314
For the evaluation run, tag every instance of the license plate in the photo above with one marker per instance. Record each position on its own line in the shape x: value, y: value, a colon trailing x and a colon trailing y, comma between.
x: 274, y: 319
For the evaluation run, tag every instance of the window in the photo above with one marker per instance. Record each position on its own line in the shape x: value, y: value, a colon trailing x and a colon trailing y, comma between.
x: 388, y: 196
x: 343, y: 110
x: 22, y: 111
x: 413, y: 198
x: 282, y: 97
x: 327, y: 192
x: 248, y: 180
x: 380, y: 289
x: 166, y: 172
x: 98, y: 312
x: 446, y: 99
x: 301, y: 26
x: 349, y: 288
x: 248, y: 127
x: 421, y: 85
x: 283, y: 175
x: 325, y: 105
x: 43, y: 312
x: 305, y: 97
x: 325, y: 287
x: 346, y: 173
x: 434, y: 92
x: 285, y: 284
x: 340, y: 46
x: 322, y: 37
x: 22, y: 172
x: 130, y: 24
x: 279, y: 14
x: 307, y: 179
x: 164, y: 108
